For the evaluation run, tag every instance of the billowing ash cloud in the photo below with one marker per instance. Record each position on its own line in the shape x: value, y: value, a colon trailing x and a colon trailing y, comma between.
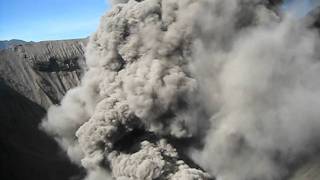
x: 232, y: 85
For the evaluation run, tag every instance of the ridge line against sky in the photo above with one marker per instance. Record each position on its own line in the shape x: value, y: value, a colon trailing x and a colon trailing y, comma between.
x: 39, y: 20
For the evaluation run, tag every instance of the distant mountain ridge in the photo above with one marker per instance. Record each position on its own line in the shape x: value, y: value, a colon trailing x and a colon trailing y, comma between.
x: 10, y: 43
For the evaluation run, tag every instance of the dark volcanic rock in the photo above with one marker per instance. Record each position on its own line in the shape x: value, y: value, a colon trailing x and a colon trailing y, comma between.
x: 313, y: 18
x: 26, y: 152
x: 34, y: 76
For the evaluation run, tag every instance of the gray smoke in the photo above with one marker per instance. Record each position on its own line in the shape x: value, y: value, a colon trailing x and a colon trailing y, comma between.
x: 238, y: 77
x: 260, y: 82
x: 137, y: 79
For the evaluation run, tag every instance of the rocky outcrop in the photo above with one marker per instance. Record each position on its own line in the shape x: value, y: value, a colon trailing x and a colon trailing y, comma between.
x: 43, y: 71
x: 34, y: 76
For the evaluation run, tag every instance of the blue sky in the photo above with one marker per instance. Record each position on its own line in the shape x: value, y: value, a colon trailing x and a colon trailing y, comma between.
x: 35, y: 20
x: 38, y: 20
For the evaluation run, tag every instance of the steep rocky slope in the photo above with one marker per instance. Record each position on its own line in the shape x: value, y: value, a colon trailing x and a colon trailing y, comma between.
x: 32, y: 77
x: 26, y: 152
x: 43, y: 71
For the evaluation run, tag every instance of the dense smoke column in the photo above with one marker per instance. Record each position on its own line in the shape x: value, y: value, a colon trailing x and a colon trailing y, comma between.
x: 137, y: 78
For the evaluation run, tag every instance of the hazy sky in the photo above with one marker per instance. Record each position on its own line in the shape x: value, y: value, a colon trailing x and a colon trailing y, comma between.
x: 35, y: 20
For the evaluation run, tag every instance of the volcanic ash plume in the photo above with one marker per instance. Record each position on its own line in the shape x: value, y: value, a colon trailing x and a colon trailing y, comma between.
x: 137, y: 83
x: 230, y: 84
